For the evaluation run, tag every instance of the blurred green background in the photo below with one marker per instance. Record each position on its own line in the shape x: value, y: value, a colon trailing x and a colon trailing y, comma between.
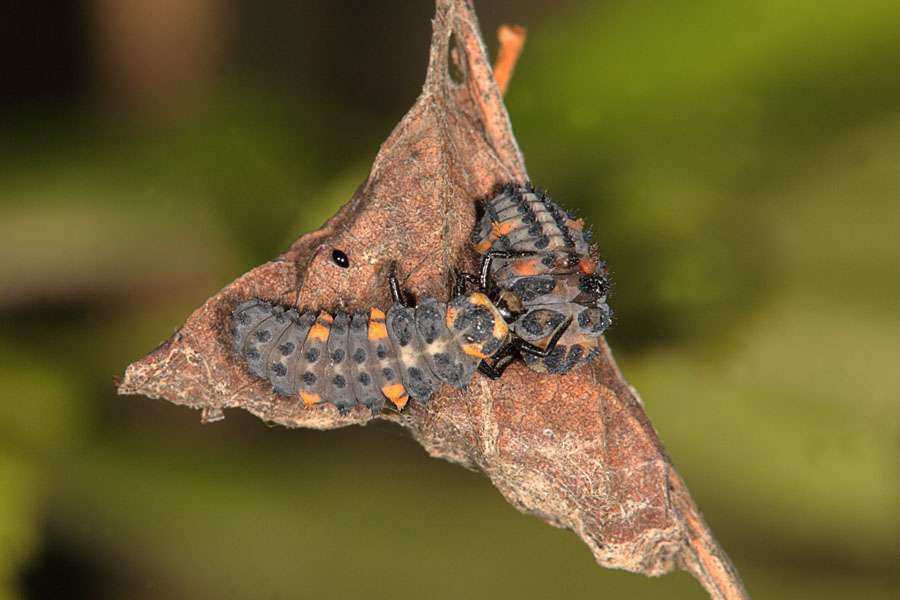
x: 740, y: 163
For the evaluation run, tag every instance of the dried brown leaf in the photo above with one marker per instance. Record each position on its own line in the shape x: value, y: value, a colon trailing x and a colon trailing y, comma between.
x: 576, y: 450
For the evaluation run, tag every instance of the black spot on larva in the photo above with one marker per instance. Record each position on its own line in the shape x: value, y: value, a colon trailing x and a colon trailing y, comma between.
x: 606, y: 319
x: 403, y: 328
x: 477, y: 323
x: 529, y: 288
x: 428, y: 319
x: 286, y: 348
x: 243, y: 318
x: 490, y: 346
x: 388, y: 373
x: 279, y: 369
x: 530, y: 324
x: 313, y: 354
x: 337, y: 356
x: 593, y: 320
x: 535, y: 230
x: 593, y: 285
x: 542, y: 242
x: 575, y: 354
x: 365, y: 379
x: 309, y: 378
x: 558, y: 363
x: 540, y: 322
x: 442, y: 359
x: 359, y: 356
x: 340, y: 259
x: 252, y: 354
x: 381, y: 351
x: 359, y: 321
x: 340, y: 381
x: 529, y: 218
x: 547, y: 261
x: 584, y: 319
x: 555, y: 361
x: 264, y: 336
x: 415, y: 374
x: 454, y: 376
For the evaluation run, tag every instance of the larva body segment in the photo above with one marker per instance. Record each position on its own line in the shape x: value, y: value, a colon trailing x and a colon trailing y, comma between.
x: 443, y: 353
x: 387, y: 370
x: 261, y: 329
x: 338, y: 387
x: 285, y: 354
x: 414, y: 370
x: 364, y: 359
x: 362, y: 366
x: 313, y: 359
x: 477, y: 325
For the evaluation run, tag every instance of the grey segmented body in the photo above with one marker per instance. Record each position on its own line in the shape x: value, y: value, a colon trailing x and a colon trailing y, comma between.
x: 556, y: 274
x: 364, y: 359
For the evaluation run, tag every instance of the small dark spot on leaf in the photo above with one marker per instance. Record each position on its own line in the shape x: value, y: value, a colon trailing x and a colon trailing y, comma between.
x: 340, y: 259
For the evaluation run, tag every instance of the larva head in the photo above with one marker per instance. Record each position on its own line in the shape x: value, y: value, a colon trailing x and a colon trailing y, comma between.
x: 477, y: 325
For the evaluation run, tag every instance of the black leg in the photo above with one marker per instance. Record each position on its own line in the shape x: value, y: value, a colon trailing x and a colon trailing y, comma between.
x: 483, y: 280
x: 530, y: 348
x: 396, y: 295
x: 508, y: 353
x: 488, y: 257
x: 502, y: 359
x: 459, y: 289
x: 488, y: 371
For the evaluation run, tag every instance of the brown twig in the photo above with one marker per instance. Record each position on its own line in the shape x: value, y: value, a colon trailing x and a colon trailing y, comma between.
x: 576, y: 450
x: 512, y: 40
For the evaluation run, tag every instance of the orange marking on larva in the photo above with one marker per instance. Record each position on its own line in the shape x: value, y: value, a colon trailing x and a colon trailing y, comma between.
x: 319, y: 332
x: 474, y: 350
x: 482, y: 246
x: 396, y: 393
x: 451, y: 316
x: 588, y: 266
x: 499, y: 229
x: 310, y: 399
x: 377, y: 328
x: 505, y: 227
x: 525, y: 267
x: 479, y: 300
x: 577, y: 225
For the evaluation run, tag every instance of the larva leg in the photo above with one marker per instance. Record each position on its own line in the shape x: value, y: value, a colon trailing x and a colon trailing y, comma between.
x: 487, y: 260
x: 397, y: 295
x: 459, y: 288
x: 529, y: 348
x: 504, y: 357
